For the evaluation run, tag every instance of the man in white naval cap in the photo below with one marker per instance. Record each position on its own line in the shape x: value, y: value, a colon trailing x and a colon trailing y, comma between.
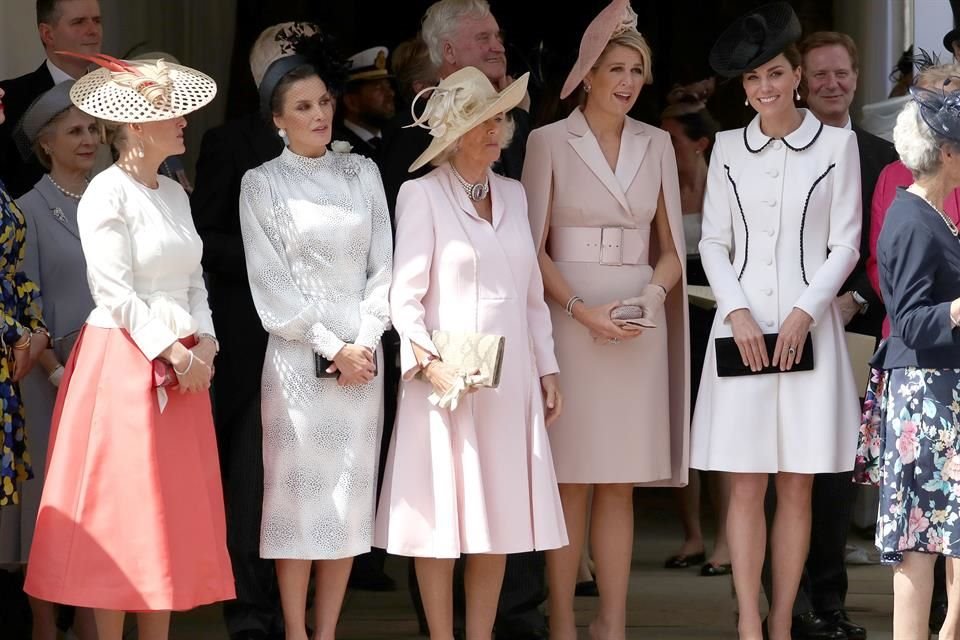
x: 367, y: 103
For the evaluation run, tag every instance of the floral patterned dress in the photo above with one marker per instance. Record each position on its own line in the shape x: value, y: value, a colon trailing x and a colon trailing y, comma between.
x: 920, y: 464
x: 20, y: 309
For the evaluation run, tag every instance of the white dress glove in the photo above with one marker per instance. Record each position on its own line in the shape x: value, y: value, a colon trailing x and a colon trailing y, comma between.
x: 57, y: 375
x: 650, y: 300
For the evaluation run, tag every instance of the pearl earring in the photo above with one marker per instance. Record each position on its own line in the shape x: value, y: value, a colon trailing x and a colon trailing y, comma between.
x: 139, y: 148
x: 746, y: 102
x: 797, y: 96
x: 282, y: 133
x: 586, y: 88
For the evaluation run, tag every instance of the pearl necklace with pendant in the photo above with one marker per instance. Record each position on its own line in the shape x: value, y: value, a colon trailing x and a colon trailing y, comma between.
x: 946, y: 219
x: 475, y: 192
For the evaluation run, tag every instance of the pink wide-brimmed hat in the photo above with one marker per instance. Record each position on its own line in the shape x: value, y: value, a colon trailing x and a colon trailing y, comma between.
x: 616, y: 18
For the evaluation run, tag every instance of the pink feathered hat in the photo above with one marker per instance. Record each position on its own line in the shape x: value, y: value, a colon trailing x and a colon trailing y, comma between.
x: 616, y: 18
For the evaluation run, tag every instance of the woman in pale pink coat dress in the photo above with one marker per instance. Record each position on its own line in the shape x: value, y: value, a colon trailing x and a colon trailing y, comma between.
x: 605, y: 212
x: 476, y: 479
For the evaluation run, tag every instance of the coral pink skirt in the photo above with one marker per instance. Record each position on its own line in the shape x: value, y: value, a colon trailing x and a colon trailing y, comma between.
x: 131, y: 516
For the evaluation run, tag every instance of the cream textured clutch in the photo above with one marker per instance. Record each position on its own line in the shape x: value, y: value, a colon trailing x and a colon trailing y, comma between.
x: 481, y: 352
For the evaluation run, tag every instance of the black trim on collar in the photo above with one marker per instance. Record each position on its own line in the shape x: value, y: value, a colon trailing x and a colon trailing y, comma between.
x: 784, y: 140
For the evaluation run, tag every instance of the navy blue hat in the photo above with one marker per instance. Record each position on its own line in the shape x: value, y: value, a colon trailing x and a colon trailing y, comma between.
x: 940, y: 110
x: 754, y: 39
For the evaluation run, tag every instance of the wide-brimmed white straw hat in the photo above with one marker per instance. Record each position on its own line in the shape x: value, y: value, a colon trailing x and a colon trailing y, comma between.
x: 140, y: 90
x: 460, y: 102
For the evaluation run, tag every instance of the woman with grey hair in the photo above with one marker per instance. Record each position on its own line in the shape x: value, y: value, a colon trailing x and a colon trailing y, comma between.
x: 64, y: 141
x: 916, y: 447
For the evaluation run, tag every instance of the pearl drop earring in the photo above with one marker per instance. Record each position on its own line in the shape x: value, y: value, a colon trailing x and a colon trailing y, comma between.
x: 746, y: 102
x: 586, y: 88
x: 282, y: 133
x: 797, y: 96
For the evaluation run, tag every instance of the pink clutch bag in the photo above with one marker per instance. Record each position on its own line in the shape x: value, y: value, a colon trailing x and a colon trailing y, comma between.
x: 163, y: 375
x: 633, y: 315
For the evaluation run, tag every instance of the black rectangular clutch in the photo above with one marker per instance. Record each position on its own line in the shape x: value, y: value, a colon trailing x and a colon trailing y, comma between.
x: 322, y: 364
x: 729, y: 362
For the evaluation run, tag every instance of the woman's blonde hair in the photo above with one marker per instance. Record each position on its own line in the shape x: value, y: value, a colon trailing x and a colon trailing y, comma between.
x: 632, y: 39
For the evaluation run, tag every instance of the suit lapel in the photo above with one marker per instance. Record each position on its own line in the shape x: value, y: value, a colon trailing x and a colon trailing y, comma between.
x: 585, y: 144
x: 59, y: 205
x: 633, y: 148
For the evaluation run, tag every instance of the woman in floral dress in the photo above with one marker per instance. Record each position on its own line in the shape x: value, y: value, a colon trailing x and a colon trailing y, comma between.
x: 917, y: 444
x: 22, y: 339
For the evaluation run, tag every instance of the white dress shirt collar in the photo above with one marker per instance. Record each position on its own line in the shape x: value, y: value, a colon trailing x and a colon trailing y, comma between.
x: 58, y: 74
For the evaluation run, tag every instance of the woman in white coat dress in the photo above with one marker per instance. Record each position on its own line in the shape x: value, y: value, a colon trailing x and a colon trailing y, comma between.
x: 781, y: 228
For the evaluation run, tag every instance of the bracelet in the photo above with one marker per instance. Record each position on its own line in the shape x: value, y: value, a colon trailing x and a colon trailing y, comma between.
x: 187, y: 370
x: 572, y: 301
x: 42, y: 331
x: 24, y: 343
x: 210, y: 336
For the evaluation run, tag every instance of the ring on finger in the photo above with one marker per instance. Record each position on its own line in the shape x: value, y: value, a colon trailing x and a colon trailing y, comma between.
x: 792, y: 351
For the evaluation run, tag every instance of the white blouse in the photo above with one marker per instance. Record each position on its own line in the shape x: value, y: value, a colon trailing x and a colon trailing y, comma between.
x: 143, y: 260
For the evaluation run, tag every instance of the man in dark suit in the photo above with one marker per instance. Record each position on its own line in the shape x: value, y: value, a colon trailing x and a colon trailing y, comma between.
x: 474, y: 40
x: 227, y: 152
x: 367, y: 104
x: 63, y: 25
x: 830, y: 64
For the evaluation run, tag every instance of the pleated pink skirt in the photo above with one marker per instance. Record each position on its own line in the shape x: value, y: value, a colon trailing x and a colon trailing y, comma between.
x: 131, y: 516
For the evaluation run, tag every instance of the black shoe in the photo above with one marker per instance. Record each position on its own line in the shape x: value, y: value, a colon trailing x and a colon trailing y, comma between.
x: 810, y: 626
x: 938, y: 613
x: 709, y: 570
x: 587, y: 589
x: 840, y: 618
x: 681, y: 561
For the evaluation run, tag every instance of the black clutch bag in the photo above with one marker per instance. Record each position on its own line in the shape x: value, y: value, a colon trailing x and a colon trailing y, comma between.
x: 729, y: 362
x: 322, y: 364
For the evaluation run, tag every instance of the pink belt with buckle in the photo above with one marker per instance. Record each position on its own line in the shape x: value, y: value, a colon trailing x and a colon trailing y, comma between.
x: 611, y: 246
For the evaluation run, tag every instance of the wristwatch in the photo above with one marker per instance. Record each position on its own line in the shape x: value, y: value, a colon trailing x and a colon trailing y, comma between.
x: 860, y: 300
x: 212, y: 338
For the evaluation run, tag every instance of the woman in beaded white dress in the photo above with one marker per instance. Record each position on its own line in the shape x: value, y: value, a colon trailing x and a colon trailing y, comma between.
x: 317, y: 239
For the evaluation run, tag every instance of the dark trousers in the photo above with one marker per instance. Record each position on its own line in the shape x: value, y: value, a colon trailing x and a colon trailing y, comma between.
x: 257, y: 607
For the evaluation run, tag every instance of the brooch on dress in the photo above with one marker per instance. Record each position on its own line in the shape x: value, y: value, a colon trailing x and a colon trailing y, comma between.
x: 58, y: 214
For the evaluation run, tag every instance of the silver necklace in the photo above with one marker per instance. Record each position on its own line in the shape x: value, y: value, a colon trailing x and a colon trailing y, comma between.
x: 946, y: 219
x: 475, y: 192
x: 69, y: 194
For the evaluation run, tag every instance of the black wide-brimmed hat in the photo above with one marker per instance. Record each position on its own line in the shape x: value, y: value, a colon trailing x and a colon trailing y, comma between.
x: 754, y: 39
x: 940, y: 109
x: 953, y: 34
